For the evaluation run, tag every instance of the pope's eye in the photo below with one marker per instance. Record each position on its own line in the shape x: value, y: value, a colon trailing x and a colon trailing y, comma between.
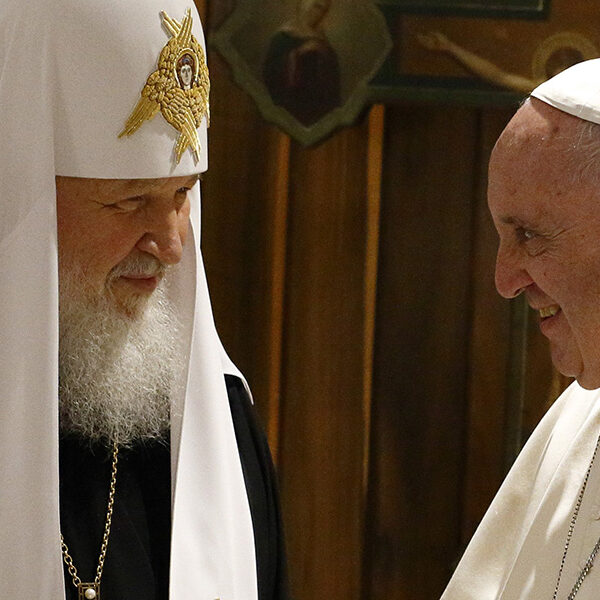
x: 525, y: 234
x: 183, y: 190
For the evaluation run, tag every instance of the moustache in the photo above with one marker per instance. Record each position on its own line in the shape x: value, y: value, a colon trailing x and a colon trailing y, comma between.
x: 144, y: 265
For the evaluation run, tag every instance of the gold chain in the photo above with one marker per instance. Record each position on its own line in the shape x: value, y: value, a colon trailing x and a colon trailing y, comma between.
x: 111, y: 501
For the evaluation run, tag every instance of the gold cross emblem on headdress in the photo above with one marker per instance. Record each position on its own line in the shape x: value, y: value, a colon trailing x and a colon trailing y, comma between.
x: 178, y: 88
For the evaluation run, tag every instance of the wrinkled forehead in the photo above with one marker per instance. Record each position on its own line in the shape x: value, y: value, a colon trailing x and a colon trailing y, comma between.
x: 536, y: 130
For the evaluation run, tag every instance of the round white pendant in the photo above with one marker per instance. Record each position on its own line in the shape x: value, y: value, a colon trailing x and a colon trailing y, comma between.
x: 90, y: 594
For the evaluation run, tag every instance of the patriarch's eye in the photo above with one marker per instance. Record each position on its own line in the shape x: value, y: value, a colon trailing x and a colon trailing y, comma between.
x: 127, y: 204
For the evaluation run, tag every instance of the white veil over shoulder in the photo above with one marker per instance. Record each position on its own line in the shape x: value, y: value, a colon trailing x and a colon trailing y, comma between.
x: 71, y: 72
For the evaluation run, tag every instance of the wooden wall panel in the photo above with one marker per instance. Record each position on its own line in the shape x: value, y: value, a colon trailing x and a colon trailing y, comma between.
x: 322, y: 421
x: 290, y: 243
x: 421, y: 352
x: 244, y: 222
x: 374, y: 175
x: 489, y: 347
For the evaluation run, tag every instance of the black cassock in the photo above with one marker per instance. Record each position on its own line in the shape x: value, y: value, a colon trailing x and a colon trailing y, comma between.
x: 137, y: 562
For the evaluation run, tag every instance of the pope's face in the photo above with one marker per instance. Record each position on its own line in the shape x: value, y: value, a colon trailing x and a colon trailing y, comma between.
x: 549, y: 227
x: 104, y: 225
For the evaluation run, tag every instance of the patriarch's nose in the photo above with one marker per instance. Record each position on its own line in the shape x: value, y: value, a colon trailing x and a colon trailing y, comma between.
x: 164, y: 238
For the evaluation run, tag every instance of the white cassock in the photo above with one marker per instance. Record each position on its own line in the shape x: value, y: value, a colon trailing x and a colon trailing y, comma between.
x: 517, y: 550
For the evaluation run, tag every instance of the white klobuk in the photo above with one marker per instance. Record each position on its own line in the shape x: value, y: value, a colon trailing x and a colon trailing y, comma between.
x: 71, y: 72
x: 517, y: 551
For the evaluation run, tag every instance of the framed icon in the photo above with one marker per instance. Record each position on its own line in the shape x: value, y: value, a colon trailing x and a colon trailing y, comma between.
x: 306, y: 63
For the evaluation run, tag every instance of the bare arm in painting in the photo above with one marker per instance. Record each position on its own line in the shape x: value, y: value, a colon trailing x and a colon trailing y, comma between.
x: 481, y: 67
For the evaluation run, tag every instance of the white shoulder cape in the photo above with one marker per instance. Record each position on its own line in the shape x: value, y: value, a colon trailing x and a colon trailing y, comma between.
x: 516, y: 552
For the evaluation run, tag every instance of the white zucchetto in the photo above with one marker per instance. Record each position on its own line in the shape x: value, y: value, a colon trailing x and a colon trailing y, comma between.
x: 575, y: 91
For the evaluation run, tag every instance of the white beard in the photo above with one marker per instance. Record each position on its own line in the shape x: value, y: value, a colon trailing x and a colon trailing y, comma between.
x: 116, y: 372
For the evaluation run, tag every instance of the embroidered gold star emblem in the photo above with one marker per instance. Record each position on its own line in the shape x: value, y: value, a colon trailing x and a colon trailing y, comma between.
x: 179, y: 88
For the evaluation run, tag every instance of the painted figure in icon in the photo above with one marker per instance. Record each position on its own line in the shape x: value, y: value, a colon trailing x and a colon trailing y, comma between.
x: 555, y: 54
x: 185, y: 71
x: 301, y: 69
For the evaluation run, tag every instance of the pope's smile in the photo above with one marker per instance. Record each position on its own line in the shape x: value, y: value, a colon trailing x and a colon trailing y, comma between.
x: 548, y: 311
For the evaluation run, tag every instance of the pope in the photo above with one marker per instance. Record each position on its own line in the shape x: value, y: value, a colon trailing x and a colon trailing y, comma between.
x: 541, y: 535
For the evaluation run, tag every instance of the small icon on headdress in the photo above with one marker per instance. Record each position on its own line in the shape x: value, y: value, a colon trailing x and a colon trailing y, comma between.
x: 179, y: 88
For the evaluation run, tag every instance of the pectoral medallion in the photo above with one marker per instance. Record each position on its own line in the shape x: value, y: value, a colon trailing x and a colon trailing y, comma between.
x: 88, y: 591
